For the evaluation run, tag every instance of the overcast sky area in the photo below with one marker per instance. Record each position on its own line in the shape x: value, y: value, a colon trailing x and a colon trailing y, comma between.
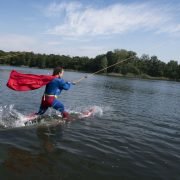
x: 90, y: 28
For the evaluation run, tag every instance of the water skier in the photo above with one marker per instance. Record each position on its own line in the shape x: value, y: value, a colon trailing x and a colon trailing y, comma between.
x: 52, y: 90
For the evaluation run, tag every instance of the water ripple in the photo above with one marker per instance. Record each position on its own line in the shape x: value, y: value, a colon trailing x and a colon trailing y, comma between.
x: 136, y: 135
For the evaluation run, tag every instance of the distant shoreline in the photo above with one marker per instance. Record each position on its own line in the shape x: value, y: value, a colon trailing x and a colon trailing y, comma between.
x: 129, y: 75
x: 142, y: 76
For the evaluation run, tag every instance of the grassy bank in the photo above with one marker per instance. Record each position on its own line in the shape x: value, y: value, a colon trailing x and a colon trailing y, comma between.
x: 142, y: 76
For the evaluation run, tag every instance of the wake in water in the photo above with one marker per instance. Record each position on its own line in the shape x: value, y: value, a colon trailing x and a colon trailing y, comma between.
x: 81, y: 112
x: 11, y: 118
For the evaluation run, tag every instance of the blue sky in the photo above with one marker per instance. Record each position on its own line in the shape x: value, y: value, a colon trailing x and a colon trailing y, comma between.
x: 89, y: 28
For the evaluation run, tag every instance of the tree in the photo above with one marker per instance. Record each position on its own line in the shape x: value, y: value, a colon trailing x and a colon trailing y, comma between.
x: 100, y: 62
x: 111, y: 59
x: 171, y: 70
x: 132, y: 64
x: 103, y: 64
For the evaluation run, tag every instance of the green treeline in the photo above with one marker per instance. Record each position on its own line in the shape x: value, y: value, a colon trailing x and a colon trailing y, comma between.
x: 143, y: 66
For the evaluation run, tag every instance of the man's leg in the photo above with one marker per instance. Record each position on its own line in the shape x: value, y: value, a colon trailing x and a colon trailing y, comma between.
x: 42, y: 110
x: 45, y: 103
x: 60, y: 107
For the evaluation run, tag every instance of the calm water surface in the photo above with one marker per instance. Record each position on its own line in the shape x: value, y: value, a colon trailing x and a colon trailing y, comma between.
x: 134, y: 135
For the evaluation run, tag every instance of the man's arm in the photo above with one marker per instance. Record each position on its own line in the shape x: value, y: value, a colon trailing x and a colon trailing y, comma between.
x: 65, y: 85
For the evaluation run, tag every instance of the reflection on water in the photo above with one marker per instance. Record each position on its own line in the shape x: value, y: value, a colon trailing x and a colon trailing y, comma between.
x: 20, y: 162
x: 47, y: 136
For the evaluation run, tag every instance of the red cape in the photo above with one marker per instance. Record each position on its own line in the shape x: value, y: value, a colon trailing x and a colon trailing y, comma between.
x: 26, y: 82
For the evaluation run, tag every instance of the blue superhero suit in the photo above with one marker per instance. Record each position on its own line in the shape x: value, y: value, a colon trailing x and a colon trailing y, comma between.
x: 49, y: 99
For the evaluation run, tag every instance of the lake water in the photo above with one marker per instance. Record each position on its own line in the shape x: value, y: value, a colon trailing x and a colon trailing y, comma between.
x: 134, y: 134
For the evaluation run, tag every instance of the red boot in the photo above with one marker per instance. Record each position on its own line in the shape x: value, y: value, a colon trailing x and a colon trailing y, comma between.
x: 65, y: 115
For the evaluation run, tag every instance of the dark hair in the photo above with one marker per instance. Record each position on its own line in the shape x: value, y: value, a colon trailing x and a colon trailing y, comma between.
x: 57, y: 70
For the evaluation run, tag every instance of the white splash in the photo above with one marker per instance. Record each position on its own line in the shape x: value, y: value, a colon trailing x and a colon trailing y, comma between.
x: 10, y: 117
x: 87, y: 112
x: 98, y: 111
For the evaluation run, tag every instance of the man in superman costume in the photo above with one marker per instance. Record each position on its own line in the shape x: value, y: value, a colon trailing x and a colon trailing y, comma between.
x: 52, y: 90
x: 54, y: 85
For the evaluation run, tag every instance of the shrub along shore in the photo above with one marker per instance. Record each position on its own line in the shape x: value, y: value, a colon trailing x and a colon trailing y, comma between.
x: 122, y: 63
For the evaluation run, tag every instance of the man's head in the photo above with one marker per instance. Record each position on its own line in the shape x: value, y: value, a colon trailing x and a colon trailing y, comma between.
x: 58, y: 71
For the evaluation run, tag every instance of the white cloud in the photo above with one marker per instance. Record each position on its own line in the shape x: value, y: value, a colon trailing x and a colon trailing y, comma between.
x: 16, y: 42
x: 173, y: 29
x: 114, y: 19
x: 86, y: 50
x: 54, y: 43
x: 55, y: 9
